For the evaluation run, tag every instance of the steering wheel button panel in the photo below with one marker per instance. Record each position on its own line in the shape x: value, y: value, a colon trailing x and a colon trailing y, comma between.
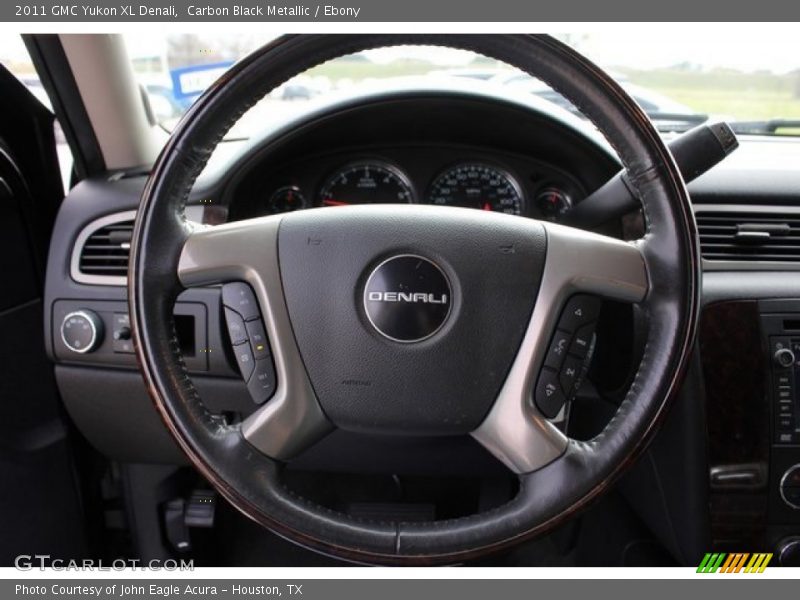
x: 567, y: 355
x: 249, y: 340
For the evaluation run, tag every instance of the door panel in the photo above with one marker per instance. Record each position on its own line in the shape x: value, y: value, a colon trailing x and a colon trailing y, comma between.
x: 40, y: 509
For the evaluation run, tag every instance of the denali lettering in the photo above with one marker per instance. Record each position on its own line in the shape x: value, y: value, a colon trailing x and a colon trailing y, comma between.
x: 407, y: 297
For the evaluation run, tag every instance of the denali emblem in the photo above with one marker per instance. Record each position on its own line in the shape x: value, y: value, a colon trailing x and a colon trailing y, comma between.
x: 404, y: 297
x: 407, y: 298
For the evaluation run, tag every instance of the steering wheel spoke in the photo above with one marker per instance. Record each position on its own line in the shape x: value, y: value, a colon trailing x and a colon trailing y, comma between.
x: 291, y: 420
x: 516, y: 431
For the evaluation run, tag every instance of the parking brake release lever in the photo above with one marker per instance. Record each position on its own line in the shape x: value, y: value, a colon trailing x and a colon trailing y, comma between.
x: 695, y: 152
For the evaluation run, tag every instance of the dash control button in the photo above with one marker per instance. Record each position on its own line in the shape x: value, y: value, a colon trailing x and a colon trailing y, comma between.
x: 240, y: 298
x: 121, y: 334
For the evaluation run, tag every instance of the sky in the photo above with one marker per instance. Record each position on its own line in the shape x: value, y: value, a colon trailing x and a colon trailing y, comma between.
x: 653, y: 46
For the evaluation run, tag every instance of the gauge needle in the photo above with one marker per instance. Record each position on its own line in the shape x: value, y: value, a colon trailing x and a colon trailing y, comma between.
x: 487, y: 206
x: 334, y: 203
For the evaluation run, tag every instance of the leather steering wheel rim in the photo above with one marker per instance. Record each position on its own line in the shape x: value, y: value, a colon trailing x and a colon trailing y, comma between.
x: 578, y: 473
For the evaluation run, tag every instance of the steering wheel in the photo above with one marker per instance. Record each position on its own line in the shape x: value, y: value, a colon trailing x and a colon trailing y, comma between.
x: 376, y: 314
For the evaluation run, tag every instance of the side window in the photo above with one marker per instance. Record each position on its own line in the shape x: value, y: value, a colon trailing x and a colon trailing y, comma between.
x: 14, y: 57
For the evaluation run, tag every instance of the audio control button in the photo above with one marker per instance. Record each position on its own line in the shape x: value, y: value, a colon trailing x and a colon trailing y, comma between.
x: 263, y: 382
x: 258, y: 339
x: 582, y: 341
x: 549, y: 397
x: 236, y: 328
x: 579, y: 311
x: 784, y: 358
x: 558, y: 349
x: 240, y: 298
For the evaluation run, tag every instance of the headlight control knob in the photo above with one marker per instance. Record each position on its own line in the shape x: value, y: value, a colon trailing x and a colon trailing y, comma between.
x: 82, y: 331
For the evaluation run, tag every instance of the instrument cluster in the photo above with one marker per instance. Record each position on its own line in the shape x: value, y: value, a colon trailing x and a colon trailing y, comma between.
x: 478, y: 184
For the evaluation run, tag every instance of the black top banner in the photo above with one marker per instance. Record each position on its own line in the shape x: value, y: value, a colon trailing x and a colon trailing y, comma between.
x: 372, y: 11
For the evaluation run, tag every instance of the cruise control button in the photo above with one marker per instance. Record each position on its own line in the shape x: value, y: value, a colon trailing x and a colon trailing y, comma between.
x: 258, y: 339
x: 557, y: 350
x: 236, y: 329
x: 569, y: 374
x: 240, y: 298
x: 549, y: 397
x: 582, y: 341
x: 262, y: 384
x: 244, y: 358
x: 579, y: 311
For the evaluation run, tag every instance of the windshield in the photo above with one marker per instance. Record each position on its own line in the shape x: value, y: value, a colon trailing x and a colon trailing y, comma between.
x: 678, y: 81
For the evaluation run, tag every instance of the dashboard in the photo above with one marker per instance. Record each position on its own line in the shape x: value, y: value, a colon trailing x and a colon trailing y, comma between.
x: 435, y: 147
x: 457, y: 149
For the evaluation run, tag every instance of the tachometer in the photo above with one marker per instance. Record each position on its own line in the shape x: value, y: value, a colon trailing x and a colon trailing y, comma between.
x: 477, y: 186
x: 366, y: 183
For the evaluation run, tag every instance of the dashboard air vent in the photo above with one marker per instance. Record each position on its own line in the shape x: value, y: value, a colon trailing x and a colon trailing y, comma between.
x: 106, y: 250
x: 749, y: 236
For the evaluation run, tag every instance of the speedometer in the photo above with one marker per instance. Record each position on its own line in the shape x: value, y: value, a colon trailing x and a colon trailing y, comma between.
x: 477, y: 186
x: 366, y: 183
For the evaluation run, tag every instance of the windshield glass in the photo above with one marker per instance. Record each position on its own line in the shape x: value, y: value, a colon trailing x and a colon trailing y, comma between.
x: 679, y: 82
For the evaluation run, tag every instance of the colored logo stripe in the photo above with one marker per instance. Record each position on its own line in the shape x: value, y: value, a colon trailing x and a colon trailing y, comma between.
x: 758, y: 563
x: 734, y: 563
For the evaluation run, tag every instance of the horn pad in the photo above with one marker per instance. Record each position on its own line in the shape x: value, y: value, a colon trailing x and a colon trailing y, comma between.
x: 408, y: 318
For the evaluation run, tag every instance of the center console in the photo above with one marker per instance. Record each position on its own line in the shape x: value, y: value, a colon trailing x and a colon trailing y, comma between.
x: 753, y: 414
